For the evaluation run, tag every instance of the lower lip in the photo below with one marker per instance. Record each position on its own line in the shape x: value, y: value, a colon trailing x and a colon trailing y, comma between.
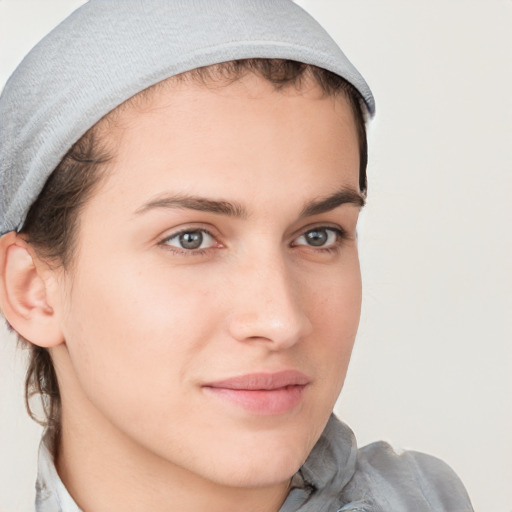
x: 262, y: 401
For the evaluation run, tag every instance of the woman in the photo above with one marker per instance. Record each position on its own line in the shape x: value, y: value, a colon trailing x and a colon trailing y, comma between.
x: 179, y: 204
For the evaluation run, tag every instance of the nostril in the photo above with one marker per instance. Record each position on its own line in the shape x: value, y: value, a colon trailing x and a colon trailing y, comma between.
x: 279, y: 331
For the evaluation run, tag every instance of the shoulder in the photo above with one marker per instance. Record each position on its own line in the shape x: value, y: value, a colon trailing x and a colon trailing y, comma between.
x: 376, y: 478
x: 409, y: 480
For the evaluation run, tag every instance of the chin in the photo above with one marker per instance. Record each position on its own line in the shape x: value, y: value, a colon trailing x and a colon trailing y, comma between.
x: 265, y: 470
x: 265, y: 459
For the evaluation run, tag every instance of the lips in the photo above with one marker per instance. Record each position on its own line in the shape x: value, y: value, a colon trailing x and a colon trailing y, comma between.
x: 262, y: 393
x: 263, y: 381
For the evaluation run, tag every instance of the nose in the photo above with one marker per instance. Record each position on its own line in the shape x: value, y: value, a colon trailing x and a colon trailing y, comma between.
x: 267, y: 305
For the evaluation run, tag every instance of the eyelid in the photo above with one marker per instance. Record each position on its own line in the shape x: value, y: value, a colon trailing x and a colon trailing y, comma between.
x: 341, y: 235
x: 340, y: 232
x: 189, y: 252
x: 179, y: 233
x: 319, y: 225
x: 186, y: 227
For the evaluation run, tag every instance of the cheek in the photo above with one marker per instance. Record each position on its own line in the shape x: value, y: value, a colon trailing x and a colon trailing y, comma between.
x: 336, y: 310
x: 334, y: 299
x: 132, y: 340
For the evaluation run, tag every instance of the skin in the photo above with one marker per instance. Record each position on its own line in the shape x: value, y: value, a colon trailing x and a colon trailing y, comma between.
x: 142, y: 324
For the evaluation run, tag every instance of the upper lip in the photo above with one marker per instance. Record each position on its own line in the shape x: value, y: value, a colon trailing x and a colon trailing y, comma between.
x: 262, y: 381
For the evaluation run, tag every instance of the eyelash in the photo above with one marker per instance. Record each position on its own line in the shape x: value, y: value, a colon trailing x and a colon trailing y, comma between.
x: 183, y: 251
x: 341, y: 236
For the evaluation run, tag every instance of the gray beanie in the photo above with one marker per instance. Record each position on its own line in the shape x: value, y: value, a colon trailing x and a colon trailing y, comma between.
x: 109, y: 50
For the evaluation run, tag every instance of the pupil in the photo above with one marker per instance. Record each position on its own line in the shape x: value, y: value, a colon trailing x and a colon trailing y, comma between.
x: 317, y: 237
x: 191, y: 240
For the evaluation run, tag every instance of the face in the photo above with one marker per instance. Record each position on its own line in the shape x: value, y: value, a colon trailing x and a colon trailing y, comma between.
x: 215, y: 296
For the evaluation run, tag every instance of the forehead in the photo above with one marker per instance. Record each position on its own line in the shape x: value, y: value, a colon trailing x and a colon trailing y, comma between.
x: 190, y: 110
x: 228, y: 139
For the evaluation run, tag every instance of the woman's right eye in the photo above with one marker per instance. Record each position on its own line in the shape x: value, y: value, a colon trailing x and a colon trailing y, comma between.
x: 191, y: 240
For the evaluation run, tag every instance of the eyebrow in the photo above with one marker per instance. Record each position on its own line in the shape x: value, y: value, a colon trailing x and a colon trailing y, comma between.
x: 229, y: 208
x: 237, y: 210
x: 343, y: 196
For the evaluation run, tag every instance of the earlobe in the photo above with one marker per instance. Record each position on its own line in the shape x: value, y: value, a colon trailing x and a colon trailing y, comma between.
x: 24, y: 297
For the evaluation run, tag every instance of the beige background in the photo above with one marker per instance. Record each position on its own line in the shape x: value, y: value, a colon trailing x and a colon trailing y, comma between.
x: 432, y: 369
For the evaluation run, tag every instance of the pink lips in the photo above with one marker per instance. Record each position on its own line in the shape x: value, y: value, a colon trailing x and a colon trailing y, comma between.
x: 262, y: 393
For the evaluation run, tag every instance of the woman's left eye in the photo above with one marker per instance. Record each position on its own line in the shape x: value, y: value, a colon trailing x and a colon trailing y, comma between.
x: 319, y: 237
x: 191, y: 240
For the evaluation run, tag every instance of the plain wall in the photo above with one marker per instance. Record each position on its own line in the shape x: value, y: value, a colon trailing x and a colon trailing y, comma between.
x: 432, y: 368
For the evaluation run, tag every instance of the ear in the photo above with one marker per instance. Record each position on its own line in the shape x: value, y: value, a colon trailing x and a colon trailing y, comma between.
x: 24, y: 297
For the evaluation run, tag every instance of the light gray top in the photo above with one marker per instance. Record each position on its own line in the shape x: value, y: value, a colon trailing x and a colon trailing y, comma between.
x: 336, y: 477
x: 109, y: 50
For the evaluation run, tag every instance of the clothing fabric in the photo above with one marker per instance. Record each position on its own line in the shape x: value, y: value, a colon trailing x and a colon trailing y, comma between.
x: 336, y: 477
x: 109, y: 50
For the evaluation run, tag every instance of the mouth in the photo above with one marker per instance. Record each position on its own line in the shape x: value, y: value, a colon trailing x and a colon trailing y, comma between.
x: 262, y: 393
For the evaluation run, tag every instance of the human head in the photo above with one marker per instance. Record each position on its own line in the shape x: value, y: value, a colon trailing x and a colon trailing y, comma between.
x: 50, y: 225
x: 51, y: 222
x: 86, y: 157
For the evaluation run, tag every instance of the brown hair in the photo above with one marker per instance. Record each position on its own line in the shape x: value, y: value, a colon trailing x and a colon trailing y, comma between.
x: 51, y: 223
